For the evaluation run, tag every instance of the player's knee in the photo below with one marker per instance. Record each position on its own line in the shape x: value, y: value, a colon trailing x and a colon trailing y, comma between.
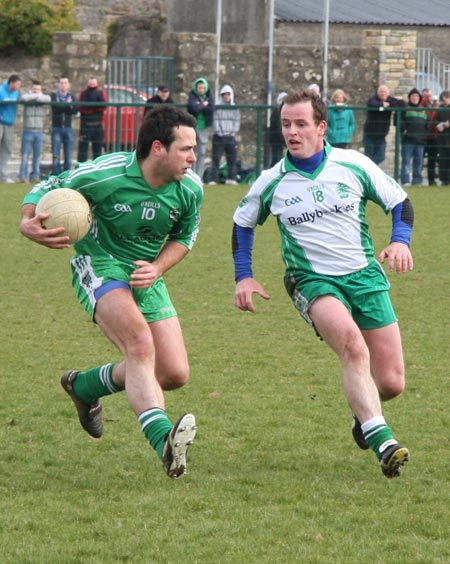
x: 392, y: 387
x: 174, y: 378
x: 139, y: 346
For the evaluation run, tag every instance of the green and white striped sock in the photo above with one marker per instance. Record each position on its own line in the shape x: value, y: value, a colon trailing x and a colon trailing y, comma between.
x: 95, y: 383
x: 378, y: 434
x: 155, y: 425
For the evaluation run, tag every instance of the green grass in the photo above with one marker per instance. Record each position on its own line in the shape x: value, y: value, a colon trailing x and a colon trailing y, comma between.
x: 274, y: 476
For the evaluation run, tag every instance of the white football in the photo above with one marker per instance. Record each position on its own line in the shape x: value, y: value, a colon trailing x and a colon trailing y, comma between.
x: 68, y: 209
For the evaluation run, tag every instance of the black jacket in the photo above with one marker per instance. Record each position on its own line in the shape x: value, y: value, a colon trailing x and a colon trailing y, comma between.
x: 92, y: 115
x: 415, y: 125
x: 154, y: 100
x: 62, y: 113
x: 378, y: 121
x: 195, y: 106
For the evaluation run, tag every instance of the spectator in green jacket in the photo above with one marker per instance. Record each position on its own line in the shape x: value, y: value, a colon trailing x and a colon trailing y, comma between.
x: 201, y: 106
x: 341, y: 121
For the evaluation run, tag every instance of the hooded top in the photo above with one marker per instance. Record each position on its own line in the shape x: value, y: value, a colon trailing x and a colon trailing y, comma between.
x: 226, y: 89
x: 410, y: 93
x: 281, y: 96
x: 414, y: 122
x: 196, y: 106
x: 227, y: 121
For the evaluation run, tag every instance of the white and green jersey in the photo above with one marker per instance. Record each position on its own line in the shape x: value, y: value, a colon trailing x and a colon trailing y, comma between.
x: 321, y: 216
x: 132, y: 220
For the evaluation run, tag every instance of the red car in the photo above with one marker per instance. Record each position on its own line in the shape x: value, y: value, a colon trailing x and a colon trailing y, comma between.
x: 121, y: 123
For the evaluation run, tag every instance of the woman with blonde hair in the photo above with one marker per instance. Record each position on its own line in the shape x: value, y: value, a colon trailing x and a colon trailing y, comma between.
x: 341, y: 121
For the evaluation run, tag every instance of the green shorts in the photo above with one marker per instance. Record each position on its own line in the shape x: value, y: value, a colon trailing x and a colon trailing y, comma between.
x: 364, y: 293
x: 90, y: 273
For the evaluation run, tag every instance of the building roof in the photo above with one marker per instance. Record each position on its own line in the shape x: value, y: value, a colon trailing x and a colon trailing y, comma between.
x: 379, y: 12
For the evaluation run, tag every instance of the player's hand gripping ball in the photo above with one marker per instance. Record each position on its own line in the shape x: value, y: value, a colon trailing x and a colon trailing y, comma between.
x: 68, y: 209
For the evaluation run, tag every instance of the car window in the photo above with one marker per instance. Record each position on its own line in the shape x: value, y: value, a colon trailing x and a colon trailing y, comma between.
x: 122, y: 96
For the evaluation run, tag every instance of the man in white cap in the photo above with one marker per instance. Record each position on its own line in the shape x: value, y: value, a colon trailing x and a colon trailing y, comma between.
x: 226, y: 126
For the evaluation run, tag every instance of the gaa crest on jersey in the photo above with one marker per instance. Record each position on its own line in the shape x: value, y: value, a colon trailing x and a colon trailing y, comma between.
x: 342, y: 190
x: 174, y: 214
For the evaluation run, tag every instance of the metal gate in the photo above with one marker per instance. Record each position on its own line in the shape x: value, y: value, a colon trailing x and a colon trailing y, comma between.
x: 130, y: 81
x: 431, y: 72
x: 142, y: 73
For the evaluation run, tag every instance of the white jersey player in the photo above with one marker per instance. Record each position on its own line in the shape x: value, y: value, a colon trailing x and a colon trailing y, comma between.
x: 318, y: 195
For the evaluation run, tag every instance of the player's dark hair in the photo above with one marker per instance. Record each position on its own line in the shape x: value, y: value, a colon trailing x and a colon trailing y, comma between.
x: 159, y: 125
x: 308, y: 95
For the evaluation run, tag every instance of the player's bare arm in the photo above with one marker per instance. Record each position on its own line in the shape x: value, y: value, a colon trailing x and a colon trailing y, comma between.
x: 398, y: 256
x: 148, y: 272
x: 243, y: 295
x: 32, y: 228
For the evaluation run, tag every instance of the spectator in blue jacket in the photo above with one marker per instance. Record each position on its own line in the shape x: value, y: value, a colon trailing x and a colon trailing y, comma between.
x: 201, y: 106
x: 341, y: 121
x: 9, y: 91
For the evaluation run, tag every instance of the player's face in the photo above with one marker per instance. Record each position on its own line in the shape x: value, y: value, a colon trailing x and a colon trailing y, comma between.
x: 180, y: 156
x: 303, y: 137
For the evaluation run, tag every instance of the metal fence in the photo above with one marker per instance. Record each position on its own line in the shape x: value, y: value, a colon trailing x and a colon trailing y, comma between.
x: 122, y: 121
x: 142, y: 74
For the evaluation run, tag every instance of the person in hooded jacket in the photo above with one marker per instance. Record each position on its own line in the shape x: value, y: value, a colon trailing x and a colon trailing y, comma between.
x: 414, y: 124
x: 201, y: 106
x: 227, y: 122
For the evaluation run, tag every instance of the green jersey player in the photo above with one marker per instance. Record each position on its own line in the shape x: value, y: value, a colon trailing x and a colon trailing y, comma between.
x: 146, y: 207
x: 318, y: 195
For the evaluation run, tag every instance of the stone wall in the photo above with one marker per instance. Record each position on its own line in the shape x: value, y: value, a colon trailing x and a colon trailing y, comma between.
x: 358, y: 67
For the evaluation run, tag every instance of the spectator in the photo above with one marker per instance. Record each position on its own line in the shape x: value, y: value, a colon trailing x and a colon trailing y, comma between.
x: 62, y: 130
x: 34, y: 113
x: 341, y: 121
x: 414, y: 134
x: 431, y: 147
x: 162, y: 96
x: 378, y: 123
x: 443, y: 128
x: 201, y: 106
x: 9, y: 91
x: 91, y: 121
x: 275, y: 139
x: 226, y: 125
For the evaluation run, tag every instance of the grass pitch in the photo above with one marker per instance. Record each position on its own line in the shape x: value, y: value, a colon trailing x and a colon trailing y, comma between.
x: 274, y: 476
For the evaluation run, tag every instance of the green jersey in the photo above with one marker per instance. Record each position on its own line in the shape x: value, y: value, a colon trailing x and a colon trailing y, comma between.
x: 131, y: 220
